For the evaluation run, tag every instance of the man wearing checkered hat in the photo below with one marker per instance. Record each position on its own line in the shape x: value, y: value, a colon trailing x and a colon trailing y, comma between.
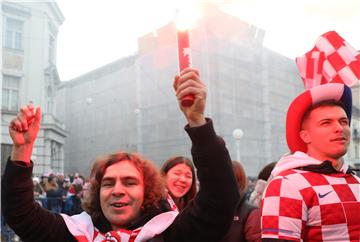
x: 313, y: 194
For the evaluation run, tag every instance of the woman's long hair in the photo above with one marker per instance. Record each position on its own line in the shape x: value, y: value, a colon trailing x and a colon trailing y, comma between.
x: 173, y: 161
x: 240, y: 176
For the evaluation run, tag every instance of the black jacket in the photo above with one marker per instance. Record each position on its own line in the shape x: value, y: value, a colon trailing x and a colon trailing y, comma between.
x: 207, y: 218
x: 236, y: 232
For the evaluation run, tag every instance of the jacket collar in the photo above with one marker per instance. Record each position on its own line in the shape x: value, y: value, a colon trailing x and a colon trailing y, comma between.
x: 326, y: 168
x: 300, y: 160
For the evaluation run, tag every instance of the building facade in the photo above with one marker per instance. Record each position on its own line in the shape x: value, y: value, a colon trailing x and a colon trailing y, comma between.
x: 29, y: 74
x: 353, y: 155
x: 130, y: 103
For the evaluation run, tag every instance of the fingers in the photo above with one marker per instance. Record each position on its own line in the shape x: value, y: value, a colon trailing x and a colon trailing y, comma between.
x: 15, y: 124
x: 176, y: 80
x: 37, y: 117
x: 187, y: 73
x: 190, y: 87
x: 25, y: 118
x: 189, y: 83
x: 180, y: 79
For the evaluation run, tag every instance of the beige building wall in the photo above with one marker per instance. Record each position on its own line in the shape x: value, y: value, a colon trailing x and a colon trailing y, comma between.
x: 130, y: 103
x: 29, y: 74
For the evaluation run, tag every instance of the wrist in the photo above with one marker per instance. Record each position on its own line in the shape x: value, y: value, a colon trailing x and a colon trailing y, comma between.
x: 22, y: 153
x: 197, y: 122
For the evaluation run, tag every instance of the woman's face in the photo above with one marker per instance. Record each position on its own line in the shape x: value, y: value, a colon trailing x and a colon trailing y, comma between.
x: 179, y: 180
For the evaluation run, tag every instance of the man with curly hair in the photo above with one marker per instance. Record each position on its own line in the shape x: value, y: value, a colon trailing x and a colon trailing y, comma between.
x: 127, y: 199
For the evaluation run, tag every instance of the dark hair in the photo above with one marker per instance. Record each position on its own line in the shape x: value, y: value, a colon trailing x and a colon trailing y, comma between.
x: 265, y: 172
x: 173, y: 161
x: 240, y: 176
x: 325, y: 103
x: 51, y: 178
x: 154, y: 190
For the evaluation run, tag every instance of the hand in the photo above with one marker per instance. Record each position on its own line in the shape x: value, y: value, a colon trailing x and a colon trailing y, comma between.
x: 23, y: 131
x: 189, y: 82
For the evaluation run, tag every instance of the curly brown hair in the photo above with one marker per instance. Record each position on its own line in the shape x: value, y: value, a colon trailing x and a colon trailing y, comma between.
x: 154, y: 189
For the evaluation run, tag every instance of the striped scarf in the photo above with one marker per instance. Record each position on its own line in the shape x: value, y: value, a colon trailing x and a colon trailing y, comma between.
x: 82, y: 228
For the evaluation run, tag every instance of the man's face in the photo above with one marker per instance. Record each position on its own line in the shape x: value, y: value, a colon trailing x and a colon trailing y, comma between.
x: 121, y: 194
x: 326, y: 133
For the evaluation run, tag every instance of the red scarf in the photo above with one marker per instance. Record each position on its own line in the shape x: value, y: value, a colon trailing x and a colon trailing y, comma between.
x: 82, y: 228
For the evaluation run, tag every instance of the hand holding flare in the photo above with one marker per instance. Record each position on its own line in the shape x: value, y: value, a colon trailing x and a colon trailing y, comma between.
x: 188, y: 82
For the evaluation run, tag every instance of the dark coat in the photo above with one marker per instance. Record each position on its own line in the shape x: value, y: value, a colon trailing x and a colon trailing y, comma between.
x: 246, y: 224
x: 207, y: 218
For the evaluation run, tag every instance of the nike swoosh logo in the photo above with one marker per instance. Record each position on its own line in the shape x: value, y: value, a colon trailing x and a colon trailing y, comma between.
x: 323, y: 195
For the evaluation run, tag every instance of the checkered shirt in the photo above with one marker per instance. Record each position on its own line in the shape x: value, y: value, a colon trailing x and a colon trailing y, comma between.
x: 302, y: 205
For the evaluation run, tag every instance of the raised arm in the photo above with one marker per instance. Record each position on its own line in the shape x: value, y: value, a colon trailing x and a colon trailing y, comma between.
x: 30, y: 221
x: 209, y: 216
x: 23, y: 131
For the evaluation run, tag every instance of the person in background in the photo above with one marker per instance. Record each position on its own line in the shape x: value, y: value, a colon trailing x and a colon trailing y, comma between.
x: 44, y: 181
x: 180, y: 180
x: 38, y: 190
x: 72, y: 204
x: 246, y: 225
x: 60, y: 179
x: 54, y: 195
x: 66, y: 184
x: 39, y: 193
x: 263, y: 176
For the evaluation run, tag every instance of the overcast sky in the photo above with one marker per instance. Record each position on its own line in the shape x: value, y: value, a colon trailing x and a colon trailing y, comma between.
x: 98, y: 32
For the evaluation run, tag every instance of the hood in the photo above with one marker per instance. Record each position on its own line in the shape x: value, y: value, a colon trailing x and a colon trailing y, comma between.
x: 296, y: 160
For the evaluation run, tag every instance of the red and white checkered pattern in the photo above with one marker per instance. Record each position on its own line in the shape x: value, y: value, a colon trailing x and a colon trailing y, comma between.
x: 331, y: 60
x: 306, y: 206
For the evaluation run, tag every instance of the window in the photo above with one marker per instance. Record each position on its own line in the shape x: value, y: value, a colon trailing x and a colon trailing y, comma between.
x: 13, y: 33
x: 10, y: 93
x: 55, y: 155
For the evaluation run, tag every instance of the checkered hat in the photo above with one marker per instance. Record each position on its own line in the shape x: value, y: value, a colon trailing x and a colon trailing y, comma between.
x: 332, y: 60
x: 328, y: 71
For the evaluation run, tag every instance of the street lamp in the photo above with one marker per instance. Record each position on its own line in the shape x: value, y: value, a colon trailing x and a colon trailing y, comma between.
x: 238, y: 134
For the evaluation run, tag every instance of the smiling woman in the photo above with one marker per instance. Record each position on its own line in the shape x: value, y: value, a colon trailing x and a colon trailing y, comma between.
x: 180, y: 179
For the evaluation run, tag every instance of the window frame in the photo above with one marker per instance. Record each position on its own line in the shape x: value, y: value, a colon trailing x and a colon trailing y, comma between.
x: 10, y: 106
x: 11, y: 34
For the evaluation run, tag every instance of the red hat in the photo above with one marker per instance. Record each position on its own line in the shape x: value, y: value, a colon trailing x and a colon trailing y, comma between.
x: 328, y: 72
x: 298, y: 107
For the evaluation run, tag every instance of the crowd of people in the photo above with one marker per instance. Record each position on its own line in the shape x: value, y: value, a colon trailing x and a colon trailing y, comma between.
x: 59, y: 193
x: 310, y: 194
